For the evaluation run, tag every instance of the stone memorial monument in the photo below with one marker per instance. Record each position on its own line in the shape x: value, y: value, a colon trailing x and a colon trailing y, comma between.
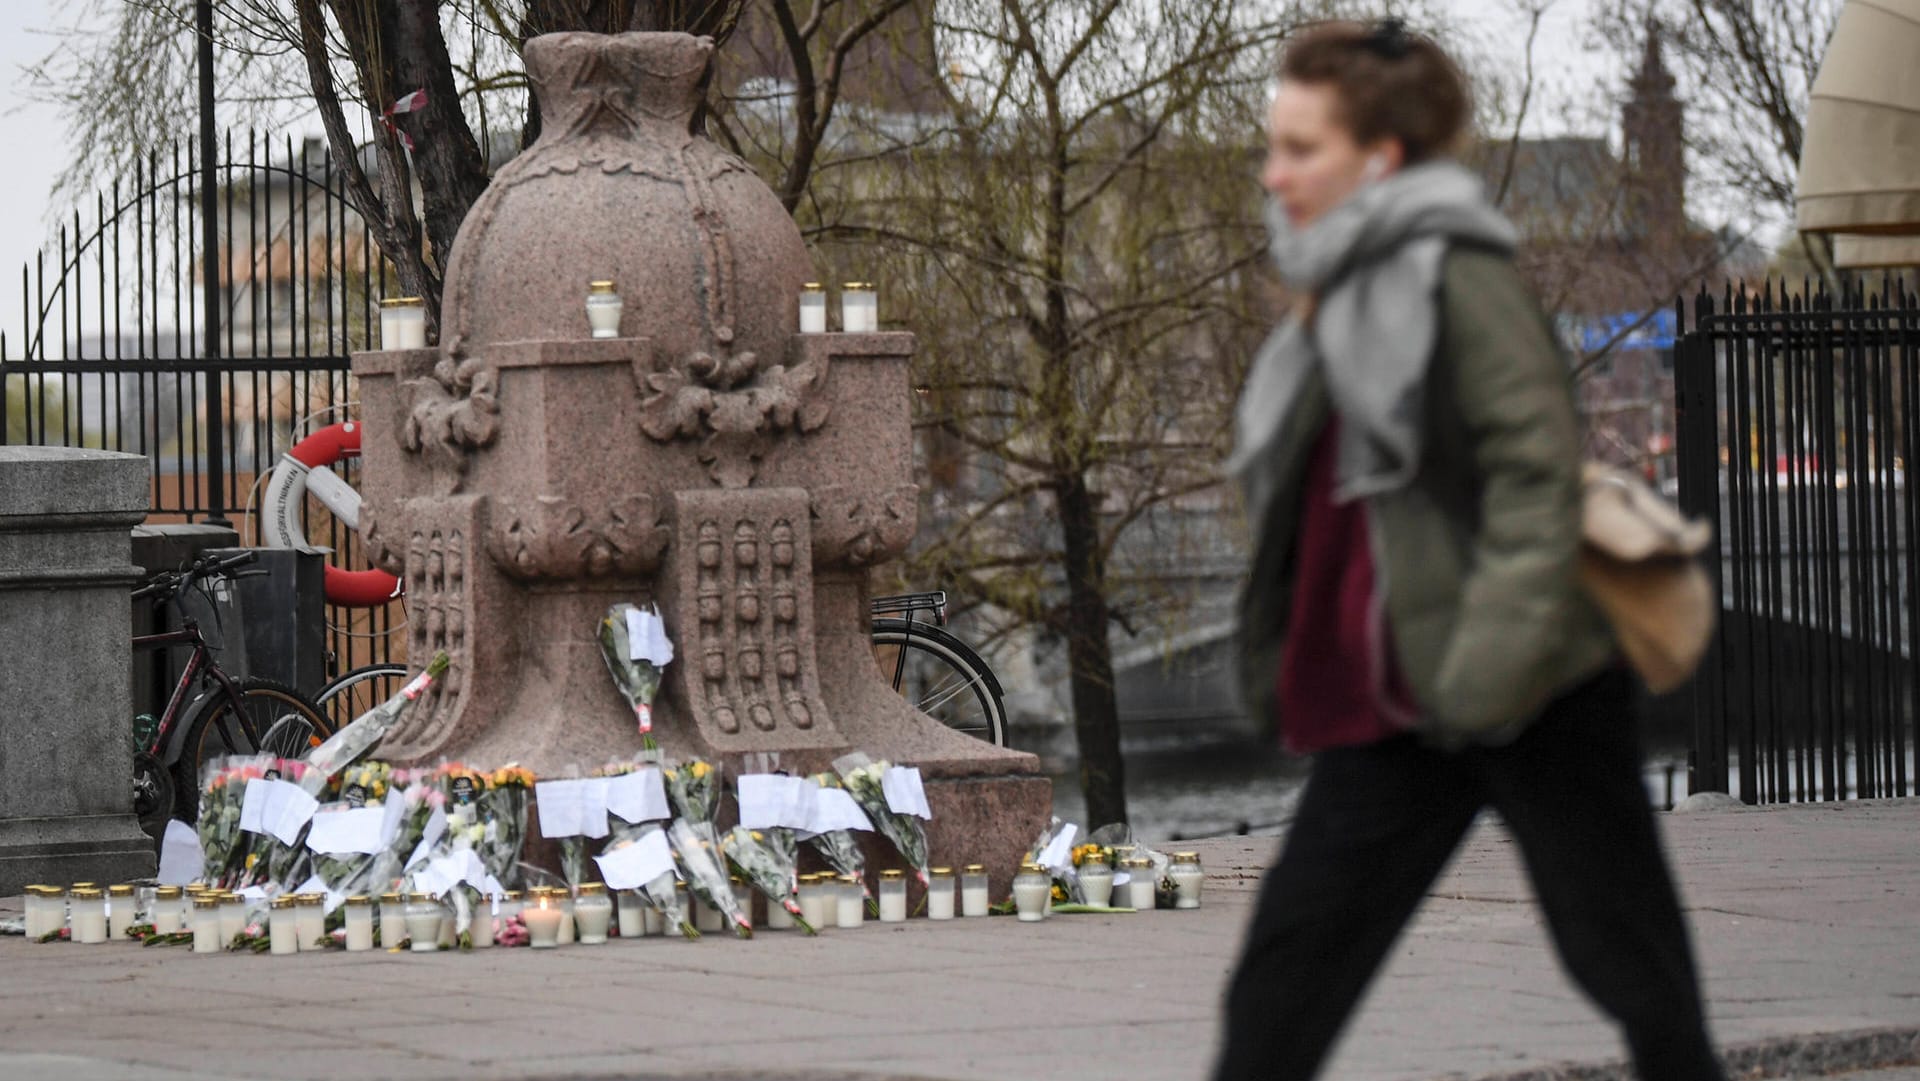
x: 66, y: 695
x: 524, y: 475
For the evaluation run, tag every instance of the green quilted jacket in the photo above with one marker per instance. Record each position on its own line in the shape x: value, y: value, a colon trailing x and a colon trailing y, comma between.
x: 1476, y: 556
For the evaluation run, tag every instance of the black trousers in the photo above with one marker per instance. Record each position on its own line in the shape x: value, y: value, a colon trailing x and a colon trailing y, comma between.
x: 1375, y: 826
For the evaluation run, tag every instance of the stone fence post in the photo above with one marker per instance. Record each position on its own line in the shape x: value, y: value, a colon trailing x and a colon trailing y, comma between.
x: 66, y: 764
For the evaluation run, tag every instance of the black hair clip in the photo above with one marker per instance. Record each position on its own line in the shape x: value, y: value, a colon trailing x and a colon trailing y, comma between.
x: 1388, y: 38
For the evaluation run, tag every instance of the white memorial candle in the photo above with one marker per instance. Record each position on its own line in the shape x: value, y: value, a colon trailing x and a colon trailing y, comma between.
x: 813, y: 309
x: 893, y: 897
x: 940, y: 894
x: 403, y: 323
x: 283, y: 926
x: 359, y: 924
x: 974, y: 898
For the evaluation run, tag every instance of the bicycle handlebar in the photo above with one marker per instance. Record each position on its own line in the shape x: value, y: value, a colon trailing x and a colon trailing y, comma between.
x: 169, y: 583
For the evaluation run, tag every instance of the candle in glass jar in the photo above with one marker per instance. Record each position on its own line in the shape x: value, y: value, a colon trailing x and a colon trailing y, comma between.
x: 859, y: 308
x: 742, y: 898
x: 778, y: 917
x: 1187, y: 879
x: 893, y: 897
x: 169, y: 911
x: 809, y: 898
x: 592, y: 912
x: 423, y: 922
x: 652, y: 919
x: 121, y: 911
x: 480, y: 932
x: 88, y: 918
x: 283, y: 926
x: 1032, y: 890
x: 569, y: 927
x: 1140, y: 884
x: 813, y: 309
x: 359, y: 923
x: 512, y: 903
x: 940, y: 893
x: 633, y: 922
x: 311, y: 908
x: 206, y: 924
x: 850, y: 909
x: 542, y: 916
x: 706, y: 918
x: 603, y: 309
x: 393, y: 920
x: 403, y: 323
x: 1096, y: 881
x: 36, y: 912
x: 233, y: 917
x: 974, y: 898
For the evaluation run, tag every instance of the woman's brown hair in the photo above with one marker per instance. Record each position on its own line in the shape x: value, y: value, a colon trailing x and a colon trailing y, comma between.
x: 1390, y: 83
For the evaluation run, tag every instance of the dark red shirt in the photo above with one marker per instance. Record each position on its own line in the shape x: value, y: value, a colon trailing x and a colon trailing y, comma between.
x: 1338, y: 683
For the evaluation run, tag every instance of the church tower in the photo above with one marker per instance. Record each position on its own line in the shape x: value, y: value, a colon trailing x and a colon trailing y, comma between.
x: 1654, y: 138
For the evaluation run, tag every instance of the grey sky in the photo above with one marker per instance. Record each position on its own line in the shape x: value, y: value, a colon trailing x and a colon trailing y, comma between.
x: 36, y: 145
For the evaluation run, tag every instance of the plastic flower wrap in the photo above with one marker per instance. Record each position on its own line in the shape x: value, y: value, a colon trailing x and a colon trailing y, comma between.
x: 503, y: 807
x: 660, y: 894
x: 1051, y: 850
x: 865, y: 779
x: 274, y: 861
x: 634, y: 643
x: 700, y: 864
x: 354, y: 740
x: 840, y: 850
x: 365, y: 783
x: 693, y: 788
x: 421, y: 799
x: 223, y: 790
x: 759, y: 864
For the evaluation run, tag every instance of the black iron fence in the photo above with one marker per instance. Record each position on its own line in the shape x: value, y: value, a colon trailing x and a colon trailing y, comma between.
x: 115, y: 351
x: 1797, y: 419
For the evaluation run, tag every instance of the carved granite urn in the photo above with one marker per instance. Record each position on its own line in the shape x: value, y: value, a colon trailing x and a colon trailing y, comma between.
x: 525, y: 475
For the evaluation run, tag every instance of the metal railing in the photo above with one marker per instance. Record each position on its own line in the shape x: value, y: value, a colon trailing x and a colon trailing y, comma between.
x: 1797, y: 417
x: 114, y: 352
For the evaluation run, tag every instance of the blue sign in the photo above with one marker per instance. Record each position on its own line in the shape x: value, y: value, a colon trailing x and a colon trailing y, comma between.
x: 1654, y: 331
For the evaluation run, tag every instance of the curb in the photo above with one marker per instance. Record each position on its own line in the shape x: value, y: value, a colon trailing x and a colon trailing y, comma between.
x: 1780, y: 1057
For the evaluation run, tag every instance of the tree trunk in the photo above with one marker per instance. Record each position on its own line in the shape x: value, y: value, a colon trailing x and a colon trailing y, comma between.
x: 1096, y: 714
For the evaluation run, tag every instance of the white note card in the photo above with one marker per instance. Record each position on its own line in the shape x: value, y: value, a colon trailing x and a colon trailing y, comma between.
x: 1058, y: 855
x: 277, y: 807
x: 573, y: 808
x: 647, y: 637
x: 632, y: 866
x: 181, y: 858
x: 906, y: 795
x: 638, y: 797
x: 834, y: 809
x: 773, y: 800
x: 344, y: 830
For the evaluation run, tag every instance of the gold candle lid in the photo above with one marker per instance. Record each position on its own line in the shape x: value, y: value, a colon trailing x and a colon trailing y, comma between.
x: 596, y: 889
x: 120, y: 891
x: 85, y: 893
x: 811, y: 287
x: 1137, y: 862
x: 512, y: 895
x: 167, y: 893
x: 391, y: 899
x: 83, y: 885
x: 309, y: 900
x: 420, y: 898
x: 941, y: 871
x: 976, y: 868
x: 205, y: 902
x: 867, y: 286
x: 402, y: 302
x: 359, y: 900
x: 604, y: 285
x: 892, y: 874
x: 282, y: 903
x: 1186, y: 857
x: 851, y: 880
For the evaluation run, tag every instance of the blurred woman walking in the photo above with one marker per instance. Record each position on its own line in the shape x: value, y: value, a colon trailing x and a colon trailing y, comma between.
x: 1410, y: 455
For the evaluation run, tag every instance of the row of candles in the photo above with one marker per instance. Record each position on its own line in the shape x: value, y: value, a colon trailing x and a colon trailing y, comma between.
x: 403, y: 320
x: 554, y: 917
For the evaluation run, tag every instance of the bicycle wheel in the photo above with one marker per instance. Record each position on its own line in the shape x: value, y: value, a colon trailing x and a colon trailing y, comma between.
x: 285, y: 722
x: 358, y: 691
x: 941, y: 677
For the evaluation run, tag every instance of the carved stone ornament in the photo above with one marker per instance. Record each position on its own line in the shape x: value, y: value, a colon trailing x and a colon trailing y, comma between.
x: 551, y: 537
x: 857, y: 528
x: 736, y: 424
x: 449, y: 416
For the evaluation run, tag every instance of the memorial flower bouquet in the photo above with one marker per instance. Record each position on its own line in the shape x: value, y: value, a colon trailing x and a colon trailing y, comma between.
x: 759, y: 864
x: 272, y: 861
x: 354, y: 740
x: 700, y: 864
x: 421, y: 798
x: 693, y: 788
x: 660, y: 894
x: 365, y: 782
x: 223, y: 790
x: 865, y: 779
x: 503, y: 807
x: 634, y: 643
x: 840, y: 850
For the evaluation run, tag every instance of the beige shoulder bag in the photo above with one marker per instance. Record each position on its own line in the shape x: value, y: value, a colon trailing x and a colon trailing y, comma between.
x: 1639, y: 562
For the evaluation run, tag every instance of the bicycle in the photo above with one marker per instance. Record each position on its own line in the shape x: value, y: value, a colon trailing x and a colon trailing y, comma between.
x: 937, y: 672
x: 247, y: 715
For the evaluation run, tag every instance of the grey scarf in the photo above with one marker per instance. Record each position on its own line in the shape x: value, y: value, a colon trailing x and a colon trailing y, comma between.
x: 1374, y: 262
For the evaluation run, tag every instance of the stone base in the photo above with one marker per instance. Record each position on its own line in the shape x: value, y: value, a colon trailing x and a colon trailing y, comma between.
x: 57, y: 851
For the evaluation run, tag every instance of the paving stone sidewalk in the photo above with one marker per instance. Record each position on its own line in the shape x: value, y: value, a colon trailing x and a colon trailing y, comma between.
x: 1805, y: 918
